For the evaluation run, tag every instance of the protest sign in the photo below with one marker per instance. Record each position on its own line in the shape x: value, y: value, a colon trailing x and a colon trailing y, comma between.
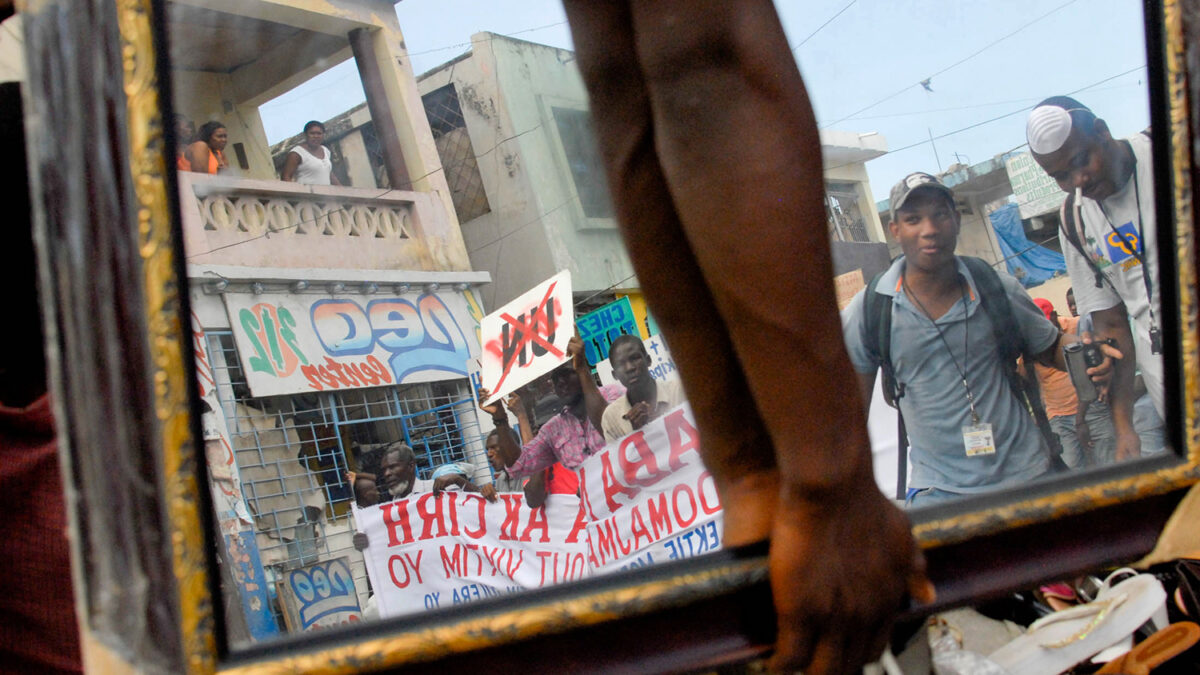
x: 662, y: 366
x: 320, y: 596
x: 430, y: 551
x: 649, y: 498
x: 600, y: 327
x: 527, y: 337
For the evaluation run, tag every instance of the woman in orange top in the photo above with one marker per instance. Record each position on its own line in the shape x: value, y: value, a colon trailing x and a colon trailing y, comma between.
x: 207, y: 154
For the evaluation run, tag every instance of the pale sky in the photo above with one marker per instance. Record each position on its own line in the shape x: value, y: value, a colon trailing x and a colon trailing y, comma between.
x: 862, y: 61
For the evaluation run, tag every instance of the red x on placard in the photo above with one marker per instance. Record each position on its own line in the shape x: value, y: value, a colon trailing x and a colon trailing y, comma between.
x: 528, y: 332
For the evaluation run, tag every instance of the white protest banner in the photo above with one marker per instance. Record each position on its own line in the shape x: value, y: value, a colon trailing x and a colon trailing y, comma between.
x: 527, y: 338
x: 662, y: 366
x: 649, y: 498
x: 430, y: 551
x: 294, y: 343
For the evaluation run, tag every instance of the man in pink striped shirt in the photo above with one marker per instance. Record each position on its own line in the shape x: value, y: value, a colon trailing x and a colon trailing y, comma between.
x: 569, y: 437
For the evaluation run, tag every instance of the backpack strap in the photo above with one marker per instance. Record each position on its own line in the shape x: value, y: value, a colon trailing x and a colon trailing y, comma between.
x: 877, y: 337
x: 1069, y: 228
x: 1010, y: 344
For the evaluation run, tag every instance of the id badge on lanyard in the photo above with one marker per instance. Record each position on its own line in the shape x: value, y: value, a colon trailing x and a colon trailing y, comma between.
x: 978, y: 439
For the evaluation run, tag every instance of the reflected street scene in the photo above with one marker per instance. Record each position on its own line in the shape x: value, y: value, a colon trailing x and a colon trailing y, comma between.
x: 430, y: 374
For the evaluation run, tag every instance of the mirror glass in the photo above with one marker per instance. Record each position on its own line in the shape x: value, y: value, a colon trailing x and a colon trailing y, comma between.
x: 359, y: 190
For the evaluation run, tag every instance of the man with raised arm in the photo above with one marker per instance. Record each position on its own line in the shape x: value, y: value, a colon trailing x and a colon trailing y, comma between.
x: 713, y: 159
x: 1108, y: 238
x: 569, y: 437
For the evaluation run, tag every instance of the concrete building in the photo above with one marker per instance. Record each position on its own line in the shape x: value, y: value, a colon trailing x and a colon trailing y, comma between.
x: 327, y: 320
x: 511, y: 122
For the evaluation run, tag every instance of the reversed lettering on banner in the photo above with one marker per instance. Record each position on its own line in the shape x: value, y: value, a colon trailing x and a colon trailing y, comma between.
x: 291, y: 343
x: 432, y: 551
x: 649, y: 498
x: 527, y: 338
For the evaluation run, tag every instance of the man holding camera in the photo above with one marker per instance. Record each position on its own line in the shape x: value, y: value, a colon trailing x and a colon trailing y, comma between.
x: 1108, y: 240
x: 954, y: 381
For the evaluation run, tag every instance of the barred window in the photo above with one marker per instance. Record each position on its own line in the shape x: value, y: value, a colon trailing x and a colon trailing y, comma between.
x: 456, y: 152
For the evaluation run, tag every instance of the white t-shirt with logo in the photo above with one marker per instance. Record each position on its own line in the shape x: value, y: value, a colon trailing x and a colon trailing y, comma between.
x: 1119, y: 264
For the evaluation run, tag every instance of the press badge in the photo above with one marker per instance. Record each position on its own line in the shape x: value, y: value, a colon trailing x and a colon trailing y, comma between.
x: 978, y: 439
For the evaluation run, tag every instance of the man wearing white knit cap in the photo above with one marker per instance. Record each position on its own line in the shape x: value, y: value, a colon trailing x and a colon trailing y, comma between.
x: 1108, y: 239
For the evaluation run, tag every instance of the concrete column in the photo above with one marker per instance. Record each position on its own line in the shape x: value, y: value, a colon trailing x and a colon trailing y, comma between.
x: 395, y: 93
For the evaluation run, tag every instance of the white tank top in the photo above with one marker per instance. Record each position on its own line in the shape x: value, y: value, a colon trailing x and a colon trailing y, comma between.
x: 313, y: 170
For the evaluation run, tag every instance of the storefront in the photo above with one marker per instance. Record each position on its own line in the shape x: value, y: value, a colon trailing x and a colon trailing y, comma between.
x: 307, y: 377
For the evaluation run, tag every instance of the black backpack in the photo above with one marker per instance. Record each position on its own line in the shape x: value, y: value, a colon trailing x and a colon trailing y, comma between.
x: 1010, y: 344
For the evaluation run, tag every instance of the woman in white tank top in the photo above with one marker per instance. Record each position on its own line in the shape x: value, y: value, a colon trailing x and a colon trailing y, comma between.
x: 310, y: 162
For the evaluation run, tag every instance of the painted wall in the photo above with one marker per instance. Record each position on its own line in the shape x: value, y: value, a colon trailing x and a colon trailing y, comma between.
x: 507, y: 89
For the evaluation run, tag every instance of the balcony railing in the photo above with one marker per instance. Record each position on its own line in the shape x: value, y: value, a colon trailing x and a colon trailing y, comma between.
x: 265, y: 223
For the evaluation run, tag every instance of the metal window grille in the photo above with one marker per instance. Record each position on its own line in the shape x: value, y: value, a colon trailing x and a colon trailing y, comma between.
x: 846, y: 222
x: 456, y: 152
x: 293, y: 452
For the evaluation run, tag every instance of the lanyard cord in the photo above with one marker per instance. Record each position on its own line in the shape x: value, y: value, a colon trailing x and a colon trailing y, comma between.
x: 966, y: 344
x: 1139, y: 233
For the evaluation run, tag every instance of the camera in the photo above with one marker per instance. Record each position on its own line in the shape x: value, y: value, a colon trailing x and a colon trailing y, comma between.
x: 1079, y: 358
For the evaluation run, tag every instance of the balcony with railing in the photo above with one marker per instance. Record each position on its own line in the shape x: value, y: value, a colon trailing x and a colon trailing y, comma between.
x: 270, y: 223
x: 230, y: 58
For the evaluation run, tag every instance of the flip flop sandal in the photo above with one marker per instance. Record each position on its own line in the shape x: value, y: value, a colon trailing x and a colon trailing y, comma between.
x: 1058, y: 596
x: 1056, y: 642
x: 1155, y: 650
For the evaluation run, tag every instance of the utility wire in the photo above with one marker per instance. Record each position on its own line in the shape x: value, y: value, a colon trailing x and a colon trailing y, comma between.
x: 949, y: 67
x: 827, y: 22
x: 989, y: 120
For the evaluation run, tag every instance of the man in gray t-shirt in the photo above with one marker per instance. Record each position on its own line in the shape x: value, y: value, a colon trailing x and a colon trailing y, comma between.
x: 967, y: 430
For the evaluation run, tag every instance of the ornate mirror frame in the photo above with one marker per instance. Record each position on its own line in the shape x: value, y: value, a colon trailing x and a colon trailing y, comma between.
x: 112, y: 281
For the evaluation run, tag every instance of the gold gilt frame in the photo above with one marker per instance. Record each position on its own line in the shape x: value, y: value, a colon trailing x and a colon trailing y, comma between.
x: 728, y: 589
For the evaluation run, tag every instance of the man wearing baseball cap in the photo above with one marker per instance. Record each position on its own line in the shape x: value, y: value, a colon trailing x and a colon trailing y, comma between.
x: 1108, y: 238
x: 967, y: 430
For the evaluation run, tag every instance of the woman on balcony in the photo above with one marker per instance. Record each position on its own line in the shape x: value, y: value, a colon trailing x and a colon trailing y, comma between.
x: 311, y: 163
x: 207, y: 154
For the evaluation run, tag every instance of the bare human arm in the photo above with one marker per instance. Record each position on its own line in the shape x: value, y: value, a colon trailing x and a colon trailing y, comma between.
x: 1113, y: 323
x: 289, y: 167
x: 591, y: 393
x: 198, y: 154
x: 535, y: 490
x: 706, y: 207
x: 506, y: 444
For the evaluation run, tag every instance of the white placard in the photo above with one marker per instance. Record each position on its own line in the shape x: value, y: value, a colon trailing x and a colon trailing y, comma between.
x: 527, y: 337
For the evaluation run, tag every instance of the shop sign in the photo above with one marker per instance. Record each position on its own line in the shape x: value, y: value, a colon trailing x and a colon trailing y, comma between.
x: 600, y: 327
x: 1033, y: 189
x: 290, y: 343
